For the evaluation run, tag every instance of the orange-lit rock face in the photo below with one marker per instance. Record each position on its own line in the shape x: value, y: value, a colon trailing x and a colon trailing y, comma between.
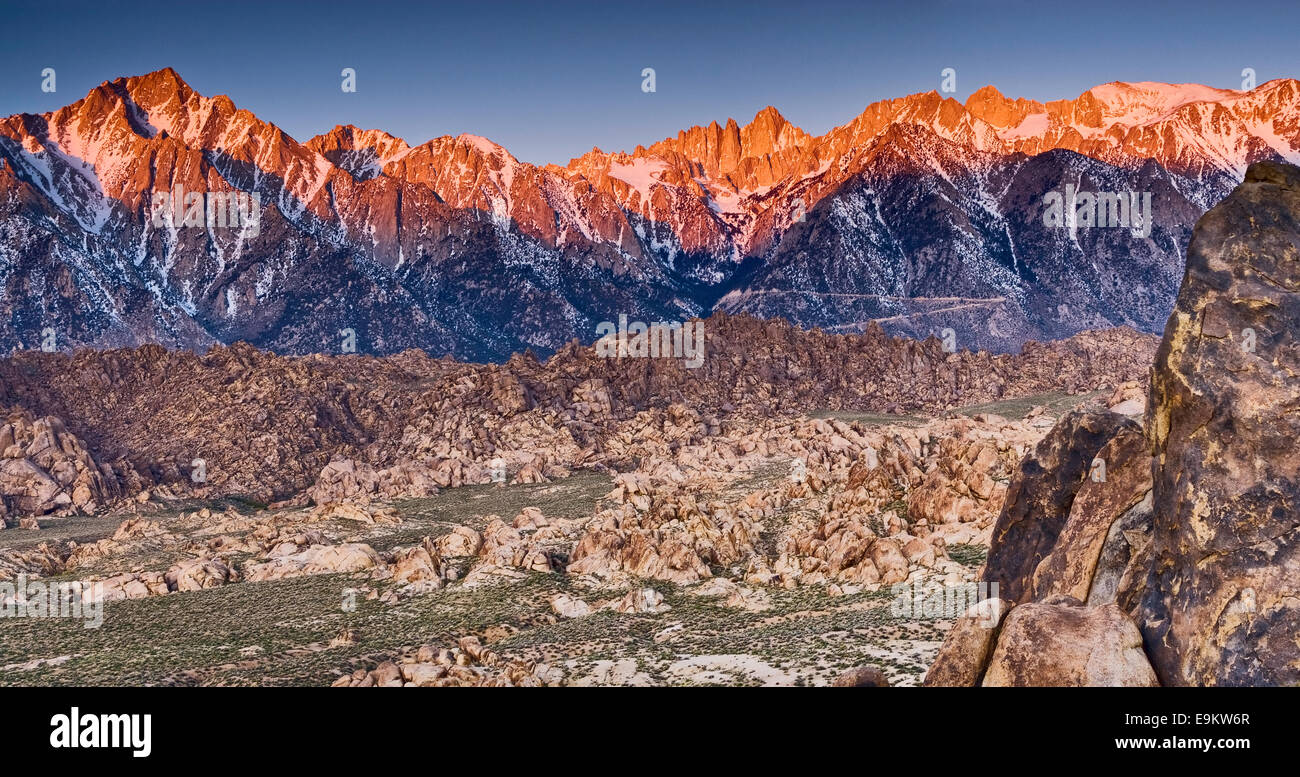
x: 458, y: 240
x: 707, y: 184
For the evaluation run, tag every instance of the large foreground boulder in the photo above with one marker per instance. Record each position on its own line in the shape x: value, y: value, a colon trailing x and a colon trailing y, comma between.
x: 1063, y: 645
x: 1041, y: 496
x: 1190, y: 536
x: 1069, y: 533
x: 1119, y: 480
x: 1222, y: 604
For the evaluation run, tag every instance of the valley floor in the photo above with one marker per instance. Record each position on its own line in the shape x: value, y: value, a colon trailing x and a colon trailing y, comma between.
x: 580, y: 588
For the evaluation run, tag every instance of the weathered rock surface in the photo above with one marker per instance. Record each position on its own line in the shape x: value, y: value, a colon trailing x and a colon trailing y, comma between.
x: 1118, y: 480
x: 1064, y: 645
x: 862, y: 677
x: 1040, y: 497
x: 567, y: 606
x: 345, y: 479
x: 316, y: 560
x: 1129, y: 398
x: 1069, y: 532
x: 197, y: 574
x: 1188, y: 539
x: 1222, y: 606
x: 420, y: 564
x: 45, y: 469
x: 662, y: 534
x: 968, y: 646
x: 640, y: 600
x: 460, y: 541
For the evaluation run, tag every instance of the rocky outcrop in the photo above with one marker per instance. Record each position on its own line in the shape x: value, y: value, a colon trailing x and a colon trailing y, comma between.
x: 421, y: 565
x: 469, y: 664
x: 1063, y: 645
x: 567, y: 606
x: 508, y: 546
x: 1184, y: 535
x: 236, y: 421
x: 345, y: 479
x: 1221, y: 604
x: 198, y: 574
x: 966, y: 650
x: 361, y: 511
x: 1040, y: 498
x: 663, y: 534
x: 315, y: 560
x: 189, y: 575
x: 640, y: 600
x: 45, y: 469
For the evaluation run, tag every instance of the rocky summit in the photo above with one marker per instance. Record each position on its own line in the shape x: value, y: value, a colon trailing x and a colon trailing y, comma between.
x: 146, y: 212
x: 1165, y: 553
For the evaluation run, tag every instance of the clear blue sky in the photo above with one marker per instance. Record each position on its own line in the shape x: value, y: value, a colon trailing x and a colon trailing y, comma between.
x: 549, y: 80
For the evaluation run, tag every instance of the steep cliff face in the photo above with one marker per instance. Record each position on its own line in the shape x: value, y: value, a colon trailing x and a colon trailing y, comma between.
x: 91, y: 256
x: 921, y: 213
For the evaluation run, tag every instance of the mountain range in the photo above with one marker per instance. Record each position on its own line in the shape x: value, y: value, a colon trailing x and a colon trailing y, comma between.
x: 922, y: 214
